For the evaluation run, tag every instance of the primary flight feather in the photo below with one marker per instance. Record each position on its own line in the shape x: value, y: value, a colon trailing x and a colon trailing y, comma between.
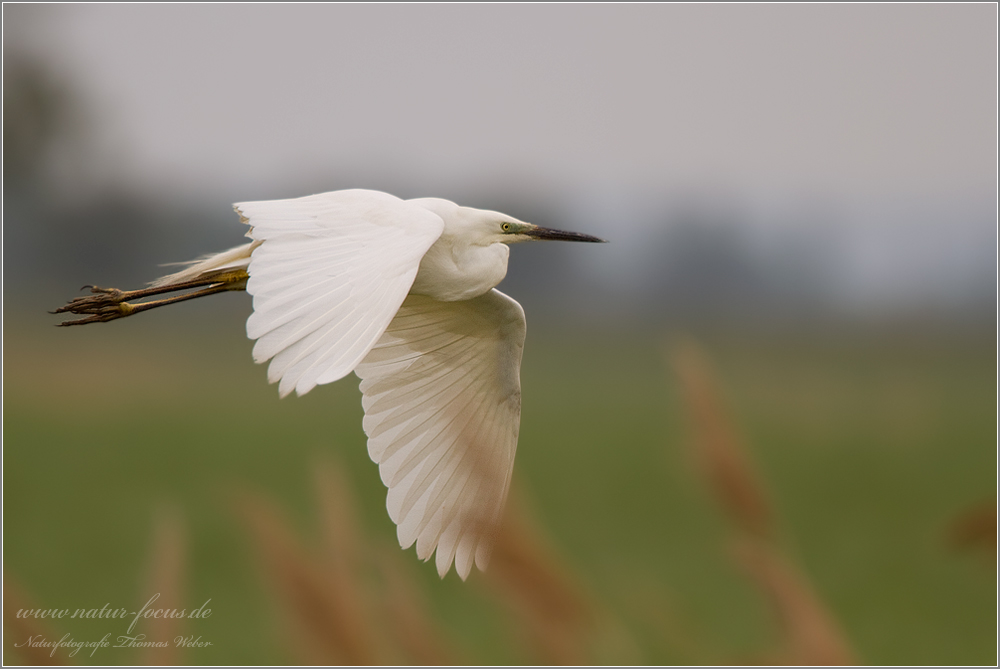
x: 401, y: 292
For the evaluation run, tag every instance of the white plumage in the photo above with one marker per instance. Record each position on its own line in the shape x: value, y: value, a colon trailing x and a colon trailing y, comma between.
x: 402, y: 293
x: 442, y: 400
x: 328, y: 276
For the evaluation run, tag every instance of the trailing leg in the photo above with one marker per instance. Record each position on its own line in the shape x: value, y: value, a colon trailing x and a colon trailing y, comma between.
x: 108, y: 304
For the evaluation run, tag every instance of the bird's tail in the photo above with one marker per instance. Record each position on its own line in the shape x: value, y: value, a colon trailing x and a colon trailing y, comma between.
x: 212, y: 274
x: 233, y: 259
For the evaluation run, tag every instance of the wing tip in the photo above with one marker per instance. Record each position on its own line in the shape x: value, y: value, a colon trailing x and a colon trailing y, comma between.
x: 239, y: 212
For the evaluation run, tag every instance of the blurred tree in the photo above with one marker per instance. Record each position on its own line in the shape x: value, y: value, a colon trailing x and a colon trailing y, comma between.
x: 39, y: 111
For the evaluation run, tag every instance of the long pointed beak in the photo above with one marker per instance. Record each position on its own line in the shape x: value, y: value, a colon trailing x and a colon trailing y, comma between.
x: 549, y: 233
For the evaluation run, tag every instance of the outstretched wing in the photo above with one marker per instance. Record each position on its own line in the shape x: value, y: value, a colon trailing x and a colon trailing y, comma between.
x: 442, y: 400
x: 327, y: 277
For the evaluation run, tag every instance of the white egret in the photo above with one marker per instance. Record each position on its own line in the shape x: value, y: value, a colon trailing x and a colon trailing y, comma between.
x: 401, y: 292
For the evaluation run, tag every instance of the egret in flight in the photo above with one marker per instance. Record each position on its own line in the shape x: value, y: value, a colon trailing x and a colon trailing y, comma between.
x: 400, y: 292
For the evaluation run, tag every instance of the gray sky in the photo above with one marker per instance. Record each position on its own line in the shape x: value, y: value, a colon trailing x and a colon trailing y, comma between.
x: 249, y: 101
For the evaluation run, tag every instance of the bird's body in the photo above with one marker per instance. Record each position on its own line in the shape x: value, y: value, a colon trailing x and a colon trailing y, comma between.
x: 402, y: 293
x: 451, y: 271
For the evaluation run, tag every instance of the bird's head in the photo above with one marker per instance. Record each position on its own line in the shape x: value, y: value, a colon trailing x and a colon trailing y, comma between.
x: 483, y: 227
x: 495, y: 227
x: 512, y: 231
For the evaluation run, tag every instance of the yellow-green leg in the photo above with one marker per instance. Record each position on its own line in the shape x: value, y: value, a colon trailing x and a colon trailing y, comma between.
x: 108, y: 304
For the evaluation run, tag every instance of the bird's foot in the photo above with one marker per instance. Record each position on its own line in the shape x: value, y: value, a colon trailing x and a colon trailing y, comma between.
x: 105, y: 304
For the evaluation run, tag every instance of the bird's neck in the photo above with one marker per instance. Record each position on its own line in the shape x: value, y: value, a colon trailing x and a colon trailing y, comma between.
x: 453, y: 271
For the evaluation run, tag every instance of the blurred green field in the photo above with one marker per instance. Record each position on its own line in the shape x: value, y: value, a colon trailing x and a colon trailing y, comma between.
x: 871, y: 443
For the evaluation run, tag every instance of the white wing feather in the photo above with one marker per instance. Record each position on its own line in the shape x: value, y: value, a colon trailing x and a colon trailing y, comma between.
x: 442, y: 400
x: 327, y: 277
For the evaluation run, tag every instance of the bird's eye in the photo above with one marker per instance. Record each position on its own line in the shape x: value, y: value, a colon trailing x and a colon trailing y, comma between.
x: 505, y: 227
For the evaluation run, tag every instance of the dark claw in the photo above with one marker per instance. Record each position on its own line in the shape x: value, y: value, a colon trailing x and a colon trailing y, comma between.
x: 103, y: 305
x: 107, y: 304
